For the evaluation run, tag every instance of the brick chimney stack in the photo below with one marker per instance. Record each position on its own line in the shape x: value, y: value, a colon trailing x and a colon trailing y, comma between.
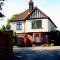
x: 31, y: 6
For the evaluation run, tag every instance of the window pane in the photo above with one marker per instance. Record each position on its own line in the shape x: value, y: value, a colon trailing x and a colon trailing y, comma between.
x: 37, y: 24
x: 19, y: 25
x: 19, y: 22
x: 36, y: 39
x: 33, y: 24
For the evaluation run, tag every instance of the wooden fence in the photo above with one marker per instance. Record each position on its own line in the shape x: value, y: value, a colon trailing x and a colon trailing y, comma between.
x: 6, y: 45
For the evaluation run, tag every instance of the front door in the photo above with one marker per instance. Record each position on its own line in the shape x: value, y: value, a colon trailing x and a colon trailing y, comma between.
x: 45, y: 39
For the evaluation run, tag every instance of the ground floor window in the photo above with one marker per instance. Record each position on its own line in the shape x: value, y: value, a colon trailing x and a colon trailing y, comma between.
x: 36, y: 39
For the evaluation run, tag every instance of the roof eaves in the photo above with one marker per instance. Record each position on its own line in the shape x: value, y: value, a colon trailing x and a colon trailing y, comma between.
x: 52, y: 22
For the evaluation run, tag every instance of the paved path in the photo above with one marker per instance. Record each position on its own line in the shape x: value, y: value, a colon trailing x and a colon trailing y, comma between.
x: 34, y: 53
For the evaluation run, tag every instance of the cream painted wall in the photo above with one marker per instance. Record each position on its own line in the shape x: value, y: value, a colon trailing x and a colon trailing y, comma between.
x: 47, y: 26
x: 44, y: 26
x: 14, y: 27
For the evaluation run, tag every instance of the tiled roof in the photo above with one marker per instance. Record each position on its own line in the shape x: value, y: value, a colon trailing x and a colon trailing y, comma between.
x: 21, y: 16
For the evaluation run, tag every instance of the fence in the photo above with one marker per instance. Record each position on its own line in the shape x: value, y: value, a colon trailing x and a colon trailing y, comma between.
x: 6, y: 45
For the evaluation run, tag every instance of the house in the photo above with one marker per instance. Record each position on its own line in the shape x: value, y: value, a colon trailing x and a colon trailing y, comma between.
x: 32, y: 26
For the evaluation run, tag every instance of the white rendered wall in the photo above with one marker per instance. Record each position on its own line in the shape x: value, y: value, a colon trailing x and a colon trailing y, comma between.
x: 14, y: 27
x: 47, y: 26
x: 43, y: 29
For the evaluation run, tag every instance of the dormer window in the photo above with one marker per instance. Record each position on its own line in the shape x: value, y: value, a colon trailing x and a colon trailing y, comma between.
x: 19, y: 25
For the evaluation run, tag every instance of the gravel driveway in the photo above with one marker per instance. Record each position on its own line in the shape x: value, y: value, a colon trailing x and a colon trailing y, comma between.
x: 34, y: 53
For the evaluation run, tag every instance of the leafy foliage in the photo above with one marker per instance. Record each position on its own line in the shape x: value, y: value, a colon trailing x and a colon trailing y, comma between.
x: 3, y: 28
x: 1, y: 15
x: 14, y: 33
x: 1, y: 4
x: 14, y: 38
x: 12, y: 17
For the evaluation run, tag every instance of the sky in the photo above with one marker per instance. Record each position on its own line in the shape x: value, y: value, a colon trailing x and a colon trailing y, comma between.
x: 49, y: 7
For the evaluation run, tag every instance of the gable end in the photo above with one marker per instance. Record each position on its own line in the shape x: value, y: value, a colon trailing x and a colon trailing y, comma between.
x: 52, y: 22
x: 36, y: 14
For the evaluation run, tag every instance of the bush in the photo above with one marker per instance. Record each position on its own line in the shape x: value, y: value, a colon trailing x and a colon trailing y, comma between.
x: 14, y: 38
x: 45, y: 45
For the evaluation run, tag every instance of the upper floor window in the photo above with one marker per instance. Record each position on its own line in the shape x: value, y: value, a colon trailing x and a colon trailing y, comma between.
x: 19, y: 25
x: 37, y: 24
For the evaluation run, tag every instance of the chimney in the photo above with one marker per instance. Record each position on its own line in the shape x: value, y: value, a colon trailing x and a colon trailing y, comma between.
x: 31, y: 6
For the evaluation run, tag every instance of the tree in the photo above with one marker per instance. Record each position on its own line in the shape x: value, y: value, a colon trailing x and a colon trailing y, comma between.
x: 1, y: 4
x: 14, y: 33
x: 3, y: 28
x: 14, y: 38
x: 1, y: 15
x: 12, y: 18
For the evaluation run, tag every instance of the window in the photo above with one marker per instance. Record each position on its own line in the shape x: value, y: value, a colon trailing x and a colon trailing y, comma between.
x: 19, y: 25
x: 37, y: 24
x: 36, y: 39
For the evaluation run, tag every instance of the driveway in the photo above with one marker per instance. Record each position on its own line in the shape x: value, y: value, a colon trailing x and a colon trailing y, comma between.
x: 36, y: 53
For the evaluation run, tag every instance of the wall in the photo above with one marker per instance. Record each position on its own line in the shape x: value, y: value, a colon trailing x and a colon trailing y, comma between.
x: 14, y: 27
x: 6, y: 45
x: 51, y: 27
x: 28, y: 26
x: 47, y: 26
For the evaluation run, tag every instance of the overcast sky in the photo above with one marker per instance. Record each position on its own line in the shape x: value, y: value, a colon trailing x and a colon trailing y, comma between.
x: 49, y: 7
